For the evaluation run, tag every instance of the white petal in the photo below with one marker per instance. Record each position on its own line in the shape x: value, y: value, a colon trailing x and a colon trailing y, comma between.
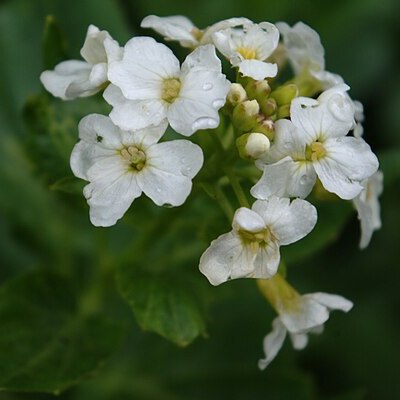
x: 368, y: 207
x: 289, y: 222
x: 163, y: 187
x: 288, y: 141
x: 226, y: 258
x: 144, y: 137
x: 175, y: 27
x: 202, y: 94
x: 263, y: 38
x: 66, y: 73
x: 109, y: 197
x: 267, y: 261
x: 221, y: 40
x: 286, y: 178
x: 247, y: 220
x: 258, y: 70
x: 327, y: 79
x: 347, y: 162
x: 304, y: 315
x: 303, y: 46
x: 299, y: 340
x: 203, y: 58
x: 100, y: 130
x: 133, y: 114
x: 272, y: 343
x: 84, y: 155
x: 178, y: 157
x: 144, y: 66
x: 332, y: 301
x: 221, y: 25
x: 93, y: 50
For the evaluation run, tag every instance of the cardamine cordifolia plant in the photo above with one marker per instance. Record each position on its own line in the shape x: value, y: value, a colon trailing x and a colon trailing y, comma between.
x: 288, y: 138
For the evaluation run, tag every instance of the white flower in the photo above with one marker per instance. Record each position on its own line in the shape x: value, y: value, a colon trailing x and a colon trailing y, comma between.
x: 368, y: 208
x: 248, y: 48
x: 306, y: 53
x: 74, y: 78
x: 251, y: 249
x: 150, y: 86
x: 181, y: 29
x: 120, y: 165
x: 314, y: 143
x: 299, y: 316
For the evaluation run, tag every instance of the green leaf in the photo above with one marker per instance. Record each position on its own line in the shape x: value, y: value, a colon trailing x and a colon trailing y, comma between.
x: 332, y: 216
x: 45, y: 344
x: 54, y: 44
x: 162, y: 304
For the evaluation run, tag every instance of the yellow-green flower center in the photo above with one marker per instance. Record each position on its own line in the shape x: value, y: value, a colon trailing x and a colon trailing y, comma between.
x: 315, y: 151
x: 135, y: 157
x: 255, y: 239
x: 247, y: 53
x: 170, y: 89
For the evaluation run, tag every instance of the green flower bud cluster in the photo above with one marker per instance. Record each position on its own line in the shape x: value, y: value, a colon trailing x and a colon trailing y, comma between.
x: 253, y: 109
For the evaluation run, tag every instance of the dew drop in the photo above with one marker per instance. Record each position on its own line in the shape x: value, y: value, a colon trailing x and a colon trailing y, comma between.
x: 158, y: 190
x: 303, y: 180
x: 183, y: 160
x: 204, y: 123
x: 207, y: 86
x: 218, y: 103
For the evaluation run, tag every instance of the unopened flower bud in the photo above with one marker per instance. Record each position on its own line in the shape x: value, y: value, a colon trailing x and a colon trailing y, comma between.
x: 268, y: 107
x: 236, y: 94
x: 257, y: 144
x: 283, y: 111
x: 285, y: 94
x: 246, y: 115
x: 267, y: 127
x: 252, y: 146
x: 258, y: 90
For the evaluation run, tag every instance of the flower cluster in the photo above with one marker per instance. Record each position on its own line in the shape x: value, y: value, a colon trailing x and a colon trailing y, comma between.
x: 294, y: 137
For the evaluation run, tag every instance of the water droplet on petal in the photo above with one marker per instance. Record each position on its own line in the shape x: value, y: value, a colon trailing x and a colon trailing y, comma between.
x: 183, y: 159
x: 207, y: 86
x: 303, y: 180
x: 218, y: 103
x: 204, y: 123
x: 158, y: 190
x: 341, y: 107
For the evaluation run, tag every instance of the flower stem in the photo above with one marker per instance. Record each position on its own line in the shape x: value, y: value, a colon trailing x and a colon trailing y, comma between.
x: 223, y: 202
x: 237, y: 188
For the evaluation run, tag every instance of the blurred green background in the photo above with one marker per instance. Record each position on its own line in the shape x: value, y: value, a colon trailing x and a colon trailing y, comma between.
x: 43, y: 226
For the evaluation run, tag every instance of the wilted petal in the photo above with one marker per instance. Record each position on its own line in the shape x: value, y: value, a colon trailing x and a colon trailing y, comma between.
x: 368, y: 207
x: 58, y: 81
x: 175, y: 27
x: 331, y: 301
x: 272, y: 343
x: 305, y: 314
x: 299, y: 340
